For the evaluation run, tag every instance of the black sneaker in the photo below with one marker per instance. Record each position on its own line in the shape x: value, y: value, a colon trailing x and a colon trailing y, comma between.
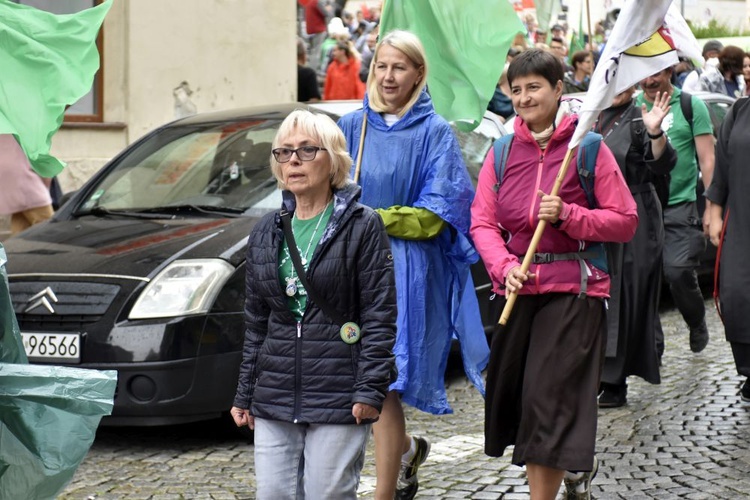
x: 745, y: 391
x: 613, y: 395
x: 699, y: 337
x: 578, y: 485
x: 407, y: 486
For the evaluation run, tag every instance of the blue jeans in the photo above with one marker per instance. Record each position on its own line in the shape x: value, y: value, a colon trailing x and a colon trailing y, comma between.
x: 308, y: 461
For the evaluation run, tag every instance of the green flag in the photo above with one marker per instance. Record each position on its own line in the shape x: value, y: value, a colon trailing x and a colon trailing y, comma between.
x: 48, y: 62
x: 578, y: 41
x: 546, y: 10
x: 466, y: 42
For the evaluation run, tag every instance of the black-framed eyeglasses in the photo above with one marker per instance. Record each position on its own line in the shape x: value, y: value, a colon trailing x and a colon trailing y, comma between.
x: 304, y: 153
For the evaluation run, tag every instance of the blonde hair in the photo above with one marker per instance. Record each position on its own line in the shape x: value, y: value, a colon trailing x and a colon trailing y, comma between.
x: 320, y: 128
x: 409, y: 44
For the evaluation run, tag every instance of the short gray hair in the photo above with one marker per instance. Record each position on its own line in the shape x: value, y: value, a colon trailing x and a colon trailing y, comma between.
x: 322, y: 128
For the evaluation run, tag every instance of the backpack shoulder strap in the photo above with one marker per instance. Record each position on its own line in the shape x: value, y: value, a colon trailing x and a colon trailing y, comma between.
x: 686, y: 105
x: 636, y: 129
x: 501, y: 147
x: 588, y: 150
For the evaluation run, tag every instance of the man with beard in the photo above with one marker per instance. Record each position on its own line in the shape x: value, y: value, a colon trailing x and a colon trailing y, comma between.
x: 684, y: 242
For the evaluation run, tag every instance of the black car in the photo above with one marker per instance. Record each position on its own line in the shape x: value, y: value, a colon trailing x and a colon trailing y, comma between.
x: 142, y: 270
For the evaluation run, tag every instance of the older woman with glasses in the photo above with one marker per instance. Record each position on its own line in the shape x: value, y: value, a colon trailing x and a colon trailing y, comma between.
x: 320, y: 320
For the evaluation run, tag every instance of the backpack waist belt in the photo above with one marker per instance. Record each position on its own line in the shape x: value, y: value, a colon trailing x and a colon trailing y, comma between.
x: 546, y: 258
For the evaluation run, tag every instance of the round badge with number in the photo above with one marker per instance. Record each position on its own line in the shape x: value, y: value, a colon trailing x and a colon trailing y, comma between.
x: 350, y: 332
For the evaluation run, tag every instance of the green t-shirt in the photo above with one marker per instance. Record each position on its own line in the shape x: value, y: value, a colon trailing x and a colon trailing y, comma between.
x: 307, y: 234
x: 685, y: 173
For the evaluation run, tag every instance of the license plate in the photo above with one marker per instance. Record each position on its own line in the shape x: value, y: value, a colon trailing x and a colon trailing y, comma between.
x: 52, y: 347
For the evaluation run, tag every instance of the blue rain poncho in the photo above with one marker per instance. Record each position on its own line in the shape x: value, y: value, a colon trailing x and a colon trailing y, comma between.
x: 417, y: 162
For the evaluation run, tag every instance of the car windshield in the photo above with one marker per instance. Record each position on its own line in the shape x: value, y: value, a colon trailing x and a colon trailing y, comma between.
x: 212, y: 168
x: 215, y: 169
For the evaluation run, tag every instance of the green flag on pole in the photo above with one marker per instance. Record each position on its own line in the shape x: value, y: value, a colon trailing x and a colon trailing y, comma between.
x: 578, y: 41
x: 466, y: 42
x: 48, y: 62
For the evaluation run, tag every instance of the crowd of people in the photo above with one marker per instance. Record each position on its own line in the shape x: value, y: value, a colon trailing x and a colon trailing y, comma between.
x: 339, y: 337
x: 326, y: 38
x: 336, y: 47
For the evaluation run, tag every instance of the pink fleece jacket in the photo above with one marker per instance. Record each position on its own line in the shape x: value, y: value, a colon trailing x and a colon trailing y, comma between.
x: 503, y: 222
x: 22, y: 188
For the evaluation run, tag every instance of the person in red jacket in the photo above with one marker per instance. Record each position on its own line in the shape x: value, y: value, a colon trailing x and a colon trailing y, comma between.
x: 544, y: 368
x: 318, y: 14
x: 342, y: 77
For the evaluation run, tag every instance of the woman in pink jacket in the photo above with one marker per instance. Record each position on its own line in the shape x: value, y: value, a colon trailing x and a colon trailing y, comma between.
x: 544, y: 368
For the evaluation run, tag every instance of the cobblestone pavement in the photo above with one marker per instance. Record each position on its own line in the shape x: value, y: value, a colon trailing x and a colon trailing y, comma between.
x: 685, y: 438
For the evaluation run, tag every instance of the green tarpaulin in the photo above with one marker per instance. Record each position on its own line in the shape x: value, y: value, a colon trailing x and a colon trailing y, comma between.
x: 48, y: 414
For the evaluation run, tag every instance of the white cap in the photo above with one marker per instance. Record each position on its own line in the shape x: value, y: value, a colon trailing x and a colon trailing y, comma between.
x: 336, y: 27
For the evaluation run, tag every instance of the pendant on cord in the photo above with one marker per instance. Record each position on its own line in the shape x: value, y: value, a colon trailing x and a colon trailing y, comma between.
x: 291, y: 287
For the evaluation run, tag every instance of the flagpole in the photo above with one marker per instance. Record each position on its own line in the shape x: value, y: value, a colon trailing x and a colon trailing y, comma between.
x: 510, y: 299
x: 588, y: 18
x: 358, y: 166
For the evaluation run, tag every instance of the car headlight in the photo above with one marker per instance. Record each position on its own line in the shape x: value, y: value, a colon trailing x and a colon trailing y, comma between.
x: 183, y: 287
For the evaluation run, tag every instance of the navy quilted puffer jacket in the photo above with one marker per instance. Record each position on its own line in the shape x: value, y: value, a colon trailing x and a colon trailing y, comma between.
x: 303, y: 372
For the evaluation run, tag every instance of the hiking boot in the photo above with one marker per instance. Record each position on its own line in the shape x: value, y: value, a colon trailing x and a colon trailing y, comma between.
x: 407, y: 486
x: 578, y: 485
x: 745, y: 391
x: 613, y: 395
x: 699, y: 337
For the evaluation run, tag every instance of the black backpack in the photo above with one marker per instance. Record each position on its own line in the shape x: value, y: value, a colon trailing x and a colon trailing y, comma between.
x: 588, y: 150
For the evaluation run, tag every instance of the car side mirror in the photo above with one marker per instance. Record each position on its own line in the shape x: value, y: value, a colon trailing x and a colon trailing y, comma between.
x: 65, y: 197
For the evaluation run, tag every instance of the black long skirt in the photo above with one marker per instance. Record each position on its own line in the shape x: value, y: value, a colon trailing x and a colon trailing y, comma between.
x: 542, y: 381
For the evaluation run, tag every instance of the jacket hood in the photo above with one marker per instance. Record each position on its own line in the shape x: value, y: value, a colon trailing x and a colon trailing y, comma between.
x: 421, y: 110
x: 344, y: 200
x: 567, y: 123
x: 343, y: 197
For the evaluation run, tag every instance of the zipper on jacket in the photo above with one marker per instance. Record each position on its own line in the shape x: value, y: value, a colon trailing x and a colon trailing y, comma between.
x: 319, y: 250
x: 298, y: 373
x: 539, y: 170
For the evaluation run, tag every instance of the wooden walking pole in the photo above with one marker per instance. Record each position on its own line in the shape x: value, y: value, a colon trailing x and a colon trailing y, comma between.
x: 358, y: 167
x: 541, y: 226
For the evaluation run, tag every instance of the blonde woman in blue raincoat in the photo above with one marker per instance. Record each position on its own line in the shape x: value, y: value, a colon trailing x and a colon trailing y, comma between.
x: 413, y: 174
